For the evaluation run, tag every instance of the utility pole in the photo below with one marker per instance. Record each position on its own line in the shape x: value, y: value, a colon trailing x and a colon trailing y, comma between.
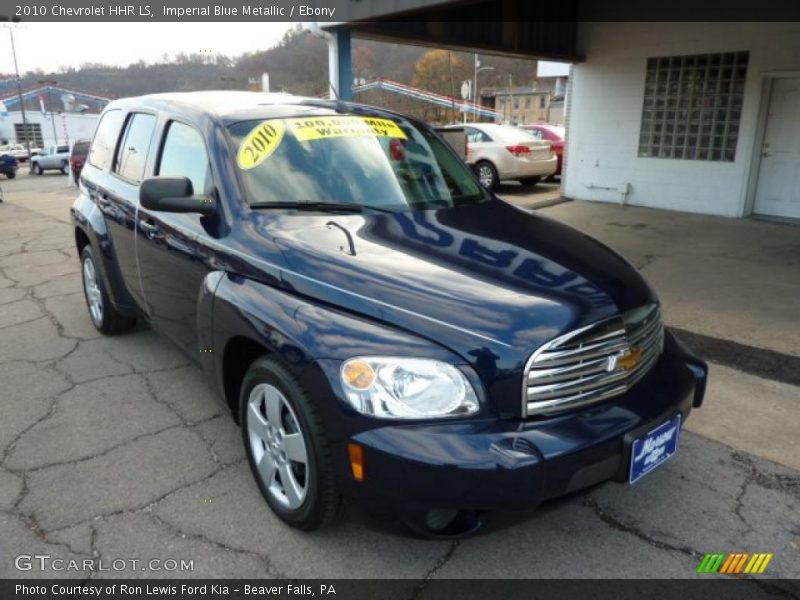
x: 49, y: 83
x: 19, y: 92
x: 476, y: 64
x: 478, y: 69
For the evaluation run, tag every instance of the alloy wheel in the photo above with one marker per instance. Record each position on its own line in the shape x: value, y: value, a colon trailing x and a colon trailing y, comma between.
x: 485, y: 176
x: 94, y: 297
x: 278, y: 445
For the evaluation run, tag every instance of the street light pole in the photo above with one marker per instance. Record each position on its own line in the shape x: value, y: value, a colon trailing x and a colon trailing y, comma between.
x: 49, y: 83
x: 475, y: 82
x: 19, y: 91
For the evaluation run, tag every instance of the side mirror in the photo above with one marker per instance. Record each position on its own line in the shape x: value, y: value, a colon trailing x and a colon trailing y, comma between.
x: 174, y: 194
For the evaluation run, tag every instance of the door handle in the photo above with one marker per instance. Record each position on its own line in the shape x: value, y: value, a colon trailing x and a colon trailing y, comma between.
x: 103, y: 201
x: 150, y: 229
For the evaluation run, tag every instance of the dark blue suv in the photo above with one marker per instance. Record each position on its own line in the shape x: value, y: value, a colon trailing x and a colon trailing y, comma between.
x: 383, y: 328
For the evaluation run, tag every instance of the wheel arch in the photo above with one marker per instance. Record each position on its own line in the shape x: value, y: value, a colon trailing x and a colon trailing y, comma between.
x: 81, y: 239
x: 240, y: 352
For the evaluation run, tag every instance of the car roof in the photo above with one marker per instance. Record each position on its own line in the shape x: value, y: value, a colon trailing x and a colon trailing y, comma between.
x: 501, y: 130
x: 232, y: 106
x: 557, y: 129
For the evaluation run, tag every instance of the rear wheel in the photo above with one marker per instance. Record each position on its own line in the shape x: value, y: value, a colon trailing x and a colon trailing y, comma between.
x: 487, y: 175
x: 530, y: 180
x: 64, y: 166
x: 104, y: 316
x: 11, y: 174
x: 286, y: 446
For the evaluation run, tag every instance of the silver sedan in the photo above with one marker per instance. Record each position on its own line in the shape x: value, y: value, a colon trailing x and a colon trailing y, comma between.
x: 502, y: 153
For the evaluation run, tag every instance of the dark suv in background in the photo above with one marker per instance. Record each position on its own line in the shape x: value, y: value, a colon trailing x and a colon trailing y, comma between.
x: 382, y: 327
x: 8, y: 165
x: 77, y: 157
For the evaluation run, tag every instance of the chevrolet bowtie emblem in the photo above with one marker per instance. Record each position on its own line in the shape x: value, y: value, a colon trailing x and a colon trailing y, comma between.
x: 625, y: 361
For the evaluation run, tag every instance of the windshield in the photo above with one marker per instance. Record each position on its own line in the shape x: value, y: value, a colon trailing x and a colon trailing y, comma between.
x: 366, y: 161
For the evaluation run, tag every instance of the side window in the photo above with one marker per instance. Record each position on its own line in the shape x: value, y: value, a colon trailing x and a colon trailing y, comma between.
x: 184, y: 155
x: 476, y: 135
x: 132, y: 152
x: 105, y: 139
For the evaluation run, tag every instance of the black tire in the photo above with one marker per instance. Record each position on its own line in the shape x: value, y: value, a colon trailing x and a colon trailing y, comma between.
x: 36, y: 169
x: 11, y: 174
x: 64, y: 165
x: 322, y: 500
x: 110, y: 320
x: 487, y: 174
x: 531, y: 181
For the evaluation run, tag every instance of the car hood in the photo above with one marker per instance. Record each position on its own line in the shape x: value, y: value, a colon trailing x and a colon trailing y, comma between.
x: 485, y: 277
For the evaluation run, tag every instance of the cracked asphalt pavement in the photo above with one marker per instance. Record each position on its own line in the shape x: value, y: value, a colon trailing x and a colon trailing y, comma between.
x: 115, y: 448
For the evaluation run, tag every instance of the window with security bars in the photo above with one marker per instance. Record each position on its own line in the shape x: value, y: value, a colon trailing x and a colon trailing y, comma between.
x: 692, y: 106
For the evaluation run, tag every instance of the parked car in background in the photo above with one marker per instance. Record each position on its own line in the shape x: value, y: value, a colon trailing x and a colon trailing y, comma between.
x: 18, y: 151
x: 553, y: 134
x: 52, y: 158
x: 381, y: 326
x: 77, y: 157
x: 8, y: 165
x: 456, y: 137
x: 504, y: 152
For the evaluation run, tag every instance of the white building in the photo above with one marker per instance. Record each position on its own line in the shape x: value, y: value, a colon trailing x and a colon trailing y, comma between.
x: 68, y: 127
x: 53, y: 114
x: 699, y: 117
x: 662, y: 111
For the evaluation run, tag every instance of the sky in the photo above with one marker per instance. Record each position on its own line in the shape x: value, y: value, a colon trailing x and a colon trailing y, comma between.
x: 48, y: 46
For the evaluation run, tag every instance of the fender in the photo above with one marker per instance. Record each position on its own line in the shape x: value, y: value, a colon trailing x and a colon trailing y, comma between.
x: 88, y: 218
x: 311, y: 338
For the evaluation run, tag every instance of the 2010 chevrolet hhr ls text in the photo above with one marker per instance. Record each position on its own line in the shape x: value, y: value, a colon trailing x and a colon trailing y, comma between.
x: 383, y: 328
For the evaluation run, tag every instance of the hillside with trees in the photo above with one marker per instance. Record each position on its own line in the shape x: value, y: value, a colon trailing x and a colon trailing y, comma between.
x: 297, y: 64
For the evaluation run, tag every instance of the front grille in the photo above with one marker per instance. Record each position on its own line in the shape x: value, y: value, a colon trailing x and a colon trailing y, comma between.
x: 593, y: 363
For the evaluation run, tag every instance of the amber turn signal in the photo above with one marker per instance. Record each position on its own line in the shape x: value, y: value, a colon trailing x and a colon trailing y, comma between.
x: 358, y: 374
x: 356, y: 453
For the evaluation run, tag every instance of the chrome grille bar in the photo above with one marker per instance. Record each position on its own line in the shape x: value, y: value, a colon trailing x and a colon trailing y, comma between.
x: 593, y: 363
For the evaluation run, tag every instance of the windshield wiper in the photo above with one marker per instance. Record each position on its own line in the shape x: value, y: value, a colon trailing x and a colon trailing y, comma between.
x: 319, y: 206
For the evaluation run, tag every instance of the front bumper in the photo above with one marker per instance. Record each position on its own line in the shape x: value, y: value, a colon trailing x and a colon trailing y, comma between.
x: 514, y: 464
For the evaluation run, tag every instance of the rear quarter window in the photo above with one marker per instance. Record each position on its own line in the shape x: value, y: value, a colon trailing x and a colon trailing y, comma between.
x: 105, y: 139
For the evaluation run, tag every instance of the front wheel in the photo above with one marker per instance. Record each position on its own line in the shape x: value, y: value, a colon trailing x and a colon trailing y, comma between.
x: 286, y: 446
x: 36, y: 169
x: 487, y: 175
x: 104, y: 316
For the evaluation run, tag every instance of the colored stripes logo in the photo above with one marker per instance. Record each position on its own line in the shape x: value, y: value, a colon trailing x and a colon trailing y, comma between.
x: 734, y: 564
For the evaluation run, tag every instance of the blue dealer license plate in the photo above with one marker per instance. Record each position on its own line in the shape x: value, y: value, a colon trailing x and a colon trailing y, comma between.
x: 652, y: 450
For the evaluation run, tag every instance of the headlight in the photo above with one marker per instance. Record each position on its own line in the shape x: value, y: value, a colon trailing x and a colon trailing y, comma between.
x: 407, y: 388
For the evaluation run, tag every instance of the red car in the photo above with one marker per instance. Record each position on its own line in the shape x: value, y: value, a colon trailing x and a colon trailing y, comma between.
x: 552, y: 133
x: 77, y: 157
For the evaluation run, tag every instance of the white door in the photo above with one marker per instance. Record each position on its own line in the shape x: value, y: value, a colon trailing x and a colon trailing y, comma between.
x: 778, y: 189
